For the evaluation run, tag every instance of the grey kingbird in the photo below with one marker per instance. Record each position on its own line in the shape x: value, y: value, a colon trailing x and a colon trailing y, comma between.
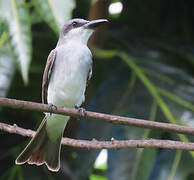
x: 67, y: 70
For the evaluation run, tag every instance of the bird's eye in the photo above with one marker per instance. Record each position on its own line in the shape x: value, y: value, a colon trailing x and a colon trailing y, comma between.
x: 74, y: 24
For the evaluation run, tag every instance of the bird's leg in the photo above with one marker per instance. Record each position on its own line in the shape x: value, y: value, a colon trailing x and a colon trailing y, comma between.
x: 51, y: 108
x: 82, y: 111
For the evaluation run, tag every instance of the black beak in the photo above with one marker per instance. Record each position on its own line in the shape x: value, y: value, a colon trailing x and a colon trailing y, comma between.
x: 95, y: 23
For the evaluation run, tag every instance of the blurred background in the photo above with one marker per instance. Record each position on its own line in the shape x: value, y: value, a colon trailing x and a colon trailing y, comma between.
x: 143, y: 63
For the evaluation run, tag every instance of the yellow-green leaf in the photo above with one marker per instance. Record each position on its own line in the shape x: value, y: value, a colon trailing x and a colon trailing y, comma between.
x: 55, y: 12
x: 16, y: 15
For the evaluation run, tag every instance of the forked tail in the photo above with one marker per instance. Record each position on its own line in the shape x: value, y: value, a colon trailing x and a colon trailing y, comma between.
x: 41, y: 149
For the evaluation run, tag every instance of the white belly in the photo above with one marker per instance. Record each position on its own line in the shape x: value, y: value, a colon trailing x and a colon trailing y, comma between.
x: 69, y: 75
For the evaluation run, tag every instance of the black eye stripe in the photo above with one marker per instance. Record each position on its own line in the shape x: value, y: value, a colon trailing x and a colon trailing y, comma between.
x: 71, y: 25
x: 77, y: 24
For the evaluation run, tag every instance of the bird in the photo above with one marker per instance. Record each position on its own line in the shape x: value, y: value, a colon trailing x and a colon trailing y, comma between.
x: 67, y: 71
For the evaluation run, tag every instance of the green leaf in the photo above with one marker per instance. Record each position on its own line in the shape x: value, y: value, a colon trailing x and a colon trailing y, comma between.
x: 16, y: 15
x: 105, y: 54
x: 176, y: 99
x: 3, y: 39
x: 12, y: 173
x: 159, y: 75
x: 7, y: 65
x: 175, y: 164
x: 154, y: 92
x: 7, y: 70
x: 144, y: 155
x: 152, y: 89
x: 97, y: 177
x: 55, y: 12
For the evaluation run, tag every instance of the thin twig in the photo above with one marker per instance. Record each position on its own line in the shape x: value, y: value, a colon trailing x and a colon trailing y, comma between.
x: 113, y: 144
x: 26, y: 105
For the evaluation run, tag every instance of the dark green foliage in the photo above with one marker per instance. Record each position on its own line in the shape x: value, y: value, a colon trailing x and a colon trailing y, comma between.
x: 143, y: 69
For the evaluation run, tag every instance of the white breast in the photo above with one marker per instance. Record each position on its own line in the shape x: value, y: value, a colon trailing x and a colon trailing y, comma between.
x: 69, y: 75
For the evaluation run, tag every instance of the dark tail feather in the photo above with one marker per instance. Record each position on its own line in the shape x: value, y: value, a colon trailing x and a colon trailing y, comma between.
x: 42, y: 150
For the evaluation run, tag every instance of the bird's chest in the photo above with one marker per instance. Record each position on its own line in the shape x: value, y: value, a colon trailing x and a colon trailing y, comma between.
x: 72, y: 67
x: 69, y: 75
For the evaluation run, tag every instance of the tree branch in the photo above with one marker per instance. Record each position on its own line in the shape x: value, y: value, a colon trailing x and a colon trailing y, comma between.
x: 26, y: 105
x: 113, y: 144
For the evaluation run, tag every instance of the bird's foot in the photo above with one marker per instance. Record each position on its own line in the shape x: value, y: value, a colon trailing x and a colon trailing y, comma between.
x: 51, y: 106
x: 82, y: 111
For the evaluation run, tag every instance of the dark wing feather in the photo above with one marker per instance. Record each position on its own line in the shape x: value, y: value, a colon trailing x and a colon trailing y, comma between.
x: 47, y: 73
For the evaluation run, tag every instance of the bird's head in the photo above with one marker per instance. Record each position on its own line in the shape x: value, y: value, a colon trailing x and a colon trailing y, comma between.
x: 79, y: 30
